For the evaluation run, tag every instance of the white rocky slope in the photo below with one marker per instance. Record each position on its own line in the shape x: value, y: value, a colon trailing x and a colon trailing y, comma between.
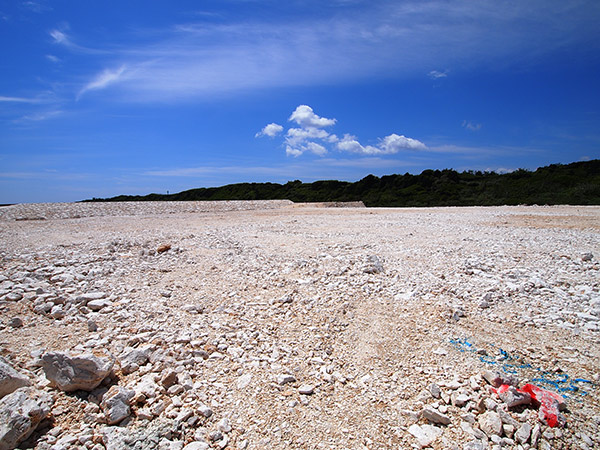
x: 260, y: 325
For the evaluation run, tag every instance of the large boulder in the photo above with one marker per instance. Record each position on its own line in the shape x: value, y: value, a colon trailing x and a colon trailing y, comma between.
x: 71, y: 373
x: 10, y: 379
x: 20, y: 414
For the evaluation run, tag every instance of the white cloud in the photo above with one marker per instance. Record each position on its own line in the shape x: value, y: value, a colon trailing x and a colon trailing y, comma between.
x: 315, y: 148
x: 389, y: 145
x: 38, y: 117
x: 372, y: 40
x: 434, y: 74
x: 349, y: 144
x: 300, y: 140
x: 37, y: 7
x: 19, y: 100
x: 471, y: 126
x: 290, y: 151
x: 394, y: 143
x: 296, y: 136
x: 312, y: 138
x: 103, y: 80
x: 270, y: 130
x: 501, y: 170
x: 305, y: 117
x: 52, y: 58
x: 60, y: 37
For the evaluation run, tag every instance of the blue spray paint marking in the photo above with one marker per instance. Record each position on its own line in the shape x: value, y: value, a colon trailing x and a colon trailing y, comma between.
x: 561, y: 382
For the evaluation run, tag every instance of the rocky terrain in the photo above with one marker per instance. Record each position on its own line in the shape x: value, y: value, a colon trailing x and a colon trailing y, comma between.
x: 269, y: 325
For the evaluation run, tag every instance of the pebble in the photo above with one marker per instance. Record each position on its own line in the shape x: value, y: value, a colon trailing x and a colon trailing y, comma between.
x: 285, y: 379
x: 306, y: 389
x: 425, y: 434
x: 115, y: 404
x: 223, y: 425
x: 15, y: 322
x: 435, y: 416
x: 490, y: 423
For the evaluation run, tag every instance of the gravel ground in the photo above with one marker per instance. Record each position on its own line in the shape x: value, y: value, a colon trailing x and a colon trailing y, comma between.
x: 305, y: 327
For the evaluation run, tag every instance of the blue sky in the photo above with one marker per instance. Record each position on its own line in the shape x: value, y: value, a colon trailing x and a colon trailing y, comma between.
x: 100, y: 98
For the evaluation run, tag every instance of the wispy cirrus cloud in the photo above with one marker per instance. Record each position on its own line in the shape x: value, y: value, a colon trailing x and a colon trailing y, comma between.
x: 60, y: 37
x: 19, y: 100
x: 40, y: 116
x: 103, y: 80
x: 37, y: 7
x: 385, y: 39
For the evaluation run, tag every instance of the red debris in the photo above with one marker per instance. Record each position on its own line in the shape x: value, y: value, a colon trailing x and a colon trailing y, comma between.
x: 513, y: 396
x: 548, y: 402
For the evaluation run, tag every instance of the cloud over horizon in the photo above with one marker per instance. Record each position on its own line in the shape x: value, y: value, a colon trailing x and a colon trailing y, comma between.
x: 311, y: 137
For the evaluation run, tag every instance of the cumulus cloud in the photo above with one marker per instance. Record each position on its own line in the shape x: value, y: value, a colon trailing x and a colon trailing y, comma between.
x: 300, y: 140
x: 311, y: 137
x: 389, y: 145
x: 305, y: 117
x: 296, y: 136
x: 271, y: 130
x: 102, y: 80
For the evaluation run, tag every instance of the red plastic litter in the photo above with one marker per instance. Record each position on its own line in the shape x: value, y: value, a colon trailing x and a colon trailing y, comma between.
x: 512, y: 396
x: 550, y: 403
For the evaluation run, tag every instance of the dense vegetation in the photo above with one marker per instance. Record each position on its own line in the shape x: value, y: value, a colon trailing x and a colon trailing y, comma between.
x: 576, y: 184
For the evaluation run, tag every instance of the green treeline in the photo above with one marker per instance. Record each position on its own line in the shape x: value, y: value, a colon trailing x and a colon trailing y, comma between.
x: 575, y: 184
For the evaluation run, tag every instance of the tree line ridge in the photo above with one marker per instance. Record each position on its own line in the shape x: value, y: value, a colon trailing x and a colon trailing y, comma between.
x: 576, y: 183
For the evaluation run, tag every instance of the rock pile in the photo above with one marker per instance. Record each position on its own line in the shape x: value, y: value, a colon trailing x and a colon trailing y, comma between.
x: 279, y: 328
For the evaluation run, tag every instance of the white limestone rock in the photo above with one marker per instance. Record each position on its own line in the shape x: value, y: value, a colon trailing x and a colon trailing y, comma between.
x: 10, y: 379
x: 490, y: 423
x: 434, y: 416
x: 71, y: 373
x: 425, y: 434
x: 116, y: 404
x: 20, y: 413
x: 132, y: 358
